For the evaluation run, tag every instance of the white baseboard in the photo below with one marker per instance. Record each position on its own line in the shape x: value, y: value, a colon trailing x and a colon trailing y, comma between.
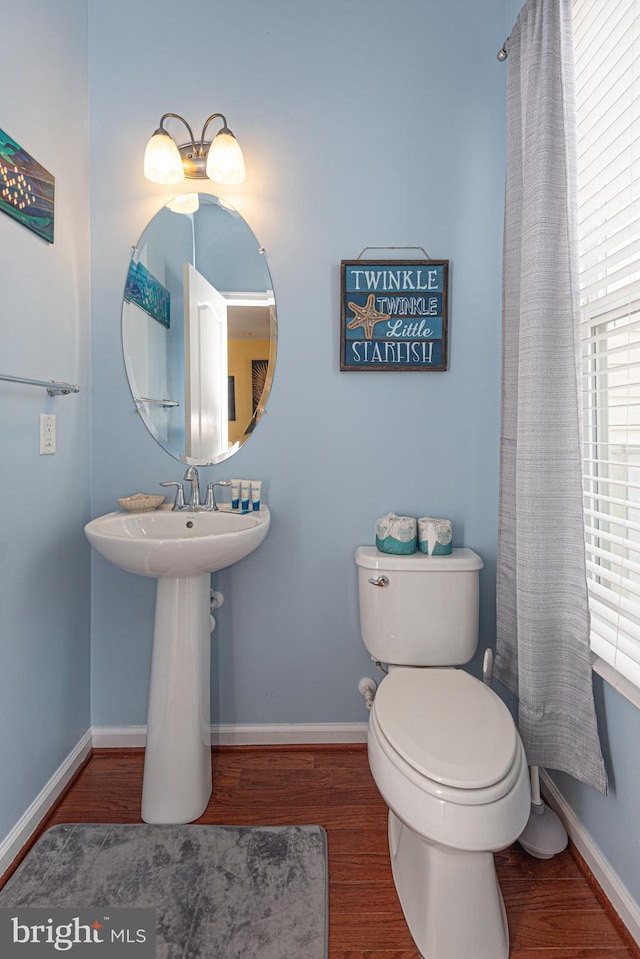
x: 612, y: 886
x: 26, y: 826
x: 289, y: 734
x: 118, y: 737
x: 105, y: 737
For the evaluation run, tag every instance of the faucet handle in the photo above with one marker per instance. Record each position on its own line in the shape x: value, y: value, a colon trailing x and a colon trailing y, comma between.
x: 210, y: 502
x: 179, y: 500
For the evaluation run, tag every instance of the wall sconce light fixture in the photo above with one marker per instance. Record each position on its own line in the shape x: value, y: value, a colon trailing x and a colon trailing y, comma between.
x: 220, y: 159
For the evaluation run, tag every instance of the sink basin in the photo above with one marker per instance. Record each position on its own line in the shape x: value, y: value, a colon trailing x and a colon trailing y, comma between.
x: 177, y: 544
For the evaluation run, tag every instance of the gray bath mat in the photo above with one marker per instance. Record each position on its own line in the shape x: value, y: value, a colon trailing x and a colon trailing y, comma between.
x: 221, y: 892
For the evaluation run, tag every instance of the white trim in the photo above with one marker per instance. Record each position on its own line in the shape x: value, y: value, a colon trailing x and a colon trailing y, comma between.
x: 612, y: 886
x: 119, y: 737
x: 289, y: 733
x: 105, y: 737
x: 29, y: 822
x: 613, y: 677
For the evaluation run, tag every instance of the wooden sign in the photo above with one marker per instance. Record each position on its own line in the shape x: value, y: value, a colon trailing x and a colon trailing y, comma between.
x: 394, y: 315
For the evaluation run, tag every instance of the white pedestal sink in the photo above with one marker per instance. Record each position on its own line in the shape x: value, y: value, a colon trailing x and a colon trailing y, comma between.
x: 180, y: 549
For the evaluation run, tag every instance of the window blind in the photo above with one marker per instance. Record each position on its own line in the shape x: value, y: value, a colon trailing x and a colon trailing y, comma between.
x: 607, y: 48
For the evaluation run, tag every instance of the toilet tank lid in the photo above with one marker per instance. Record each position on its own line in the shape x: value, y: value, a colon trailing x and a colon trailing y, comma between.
x: 460, y: 559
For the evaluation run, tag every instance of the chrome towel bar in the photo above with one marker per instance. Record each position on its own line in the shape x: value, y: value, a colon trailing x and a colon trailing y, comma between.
x: 167, y: 404
x: 51, y: 386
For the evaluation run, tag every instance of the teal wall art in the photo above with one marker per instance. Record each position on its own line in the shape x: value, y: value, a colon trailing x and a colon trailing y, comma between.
x: 148, y: 293
x: 26, y: 188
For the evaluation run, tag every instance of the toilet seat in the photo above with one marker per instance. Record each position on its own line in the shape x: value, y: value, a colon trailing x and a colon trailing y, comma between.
x: 448, y: 732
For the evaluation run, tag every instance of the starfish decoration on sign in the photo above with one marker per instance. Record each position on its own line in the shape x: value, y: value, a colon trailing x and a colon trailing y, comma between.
x: 366, y: 316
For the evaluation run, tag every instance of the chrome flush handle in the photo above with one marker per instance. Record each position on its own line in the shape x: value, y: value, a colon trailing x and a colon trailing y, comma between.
x: 380, y: 581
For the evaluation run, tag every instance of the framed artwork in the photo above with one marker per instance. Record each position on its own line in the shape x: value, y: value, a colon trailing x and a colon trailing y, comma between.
x: 394, y: 315
x: 258, y: 379
x: 26, y: 189
x: 143, y: 289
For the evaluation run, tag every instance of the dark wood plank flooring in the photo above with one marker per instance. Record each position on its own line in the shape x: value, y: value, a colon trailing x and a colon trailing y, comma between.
x: 555, y: 910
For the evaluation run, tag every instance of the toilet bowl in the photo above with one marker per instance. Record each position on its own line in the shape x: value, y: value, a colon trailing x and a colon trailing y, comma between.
x: 443, y: 750
x: 457, y: 791
x: 448, y: 756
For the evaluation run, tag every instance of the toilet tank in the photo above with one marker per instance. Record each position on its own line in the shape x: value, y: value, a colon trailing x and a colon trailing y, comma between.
x: 425, y: 610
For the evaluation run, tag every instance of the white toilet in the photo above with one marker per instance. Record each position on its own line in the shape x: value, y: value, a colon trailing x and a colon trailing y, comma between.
x: 443, y: 750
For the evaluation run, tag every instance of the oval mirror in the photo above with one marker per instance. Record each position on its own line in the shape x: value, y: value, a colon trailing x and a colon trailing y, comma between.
x: 199, y: 329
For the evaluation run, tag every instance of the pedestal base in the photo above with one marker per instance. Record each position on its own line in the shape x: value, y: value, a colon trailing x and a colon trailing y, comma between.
x: 177, y: 766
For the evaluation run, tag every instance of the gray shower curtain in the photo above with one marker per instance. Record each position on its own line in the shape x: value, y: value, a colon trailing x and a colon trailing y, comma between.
x: 542, y: 653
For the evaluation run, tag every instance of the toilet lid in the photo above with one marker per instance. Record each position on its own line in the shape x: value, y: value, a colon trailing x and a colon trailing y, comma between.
x: 448, y: 725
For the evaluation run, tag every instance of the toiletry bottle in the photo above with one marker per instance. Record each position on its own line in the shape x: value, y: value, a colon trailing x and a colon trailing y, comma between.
x: 245, y: 494
x: 256, y: 488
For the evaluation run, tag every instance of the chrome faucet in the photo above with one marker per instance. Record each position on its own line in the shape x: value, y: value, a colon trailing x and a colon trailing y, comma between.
x: 194, y: 504
x: 191, y: 476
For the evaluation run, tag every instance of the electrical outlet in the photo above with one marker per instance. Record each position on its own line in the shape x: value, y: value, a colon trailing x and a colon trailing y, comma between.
x: 47, y: 433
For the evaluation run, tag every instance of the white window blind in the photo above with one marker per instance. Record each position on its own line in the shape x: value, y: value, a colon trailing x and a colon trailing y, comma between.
x: 607, y: 46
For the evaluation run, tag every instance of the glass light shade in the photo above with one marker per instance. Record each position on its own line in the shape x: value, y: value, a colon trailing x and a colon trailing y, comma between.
x: 225, y: 163
x: 162, y: 160
x: 185, y: 203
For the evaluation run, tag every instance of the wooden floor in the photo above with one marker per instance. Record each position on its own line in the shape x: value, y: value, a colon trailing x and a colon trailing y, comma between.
x: 553, y: 911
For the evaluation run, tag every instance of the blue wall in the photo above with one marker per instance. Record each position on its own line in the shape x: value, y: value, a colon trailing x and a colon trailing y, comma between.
x: 362, y: 125
x: 44, y: 334
x: 612, y: 821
